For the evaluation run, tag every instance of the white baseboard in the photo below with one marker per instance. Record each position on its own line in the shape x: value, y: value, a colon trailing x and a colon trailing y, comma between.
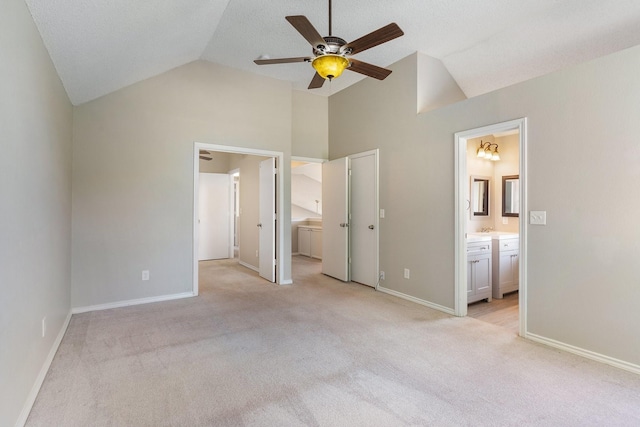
x: 249, y: 266
x: 31, y: 397
x: 585, y: 353
x: 118, y: 304
x: 286, y: 282
x: 417, y: 300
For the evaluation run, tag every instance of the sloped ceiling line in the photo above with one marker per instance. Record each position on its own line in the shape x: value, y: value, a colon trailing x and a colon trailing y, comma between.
x: 100, y: 46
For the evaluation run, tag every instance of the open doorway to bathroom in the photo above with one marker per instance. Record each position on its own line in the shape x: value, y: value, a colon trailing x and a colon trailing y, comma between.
x: 490, y: 236
x: 306, y: 209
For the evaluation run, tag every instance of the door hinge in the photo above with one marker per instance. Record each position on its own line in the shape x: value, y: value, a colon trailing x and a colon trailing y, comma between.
x: 275, y: 262
x: 349, y: 260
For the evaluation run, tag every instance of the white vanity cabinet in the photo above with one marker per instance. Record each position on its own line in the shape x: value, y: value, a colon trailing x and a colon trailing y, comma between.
x: 479, y: 270
x: 506, y: 266
x: 310, y: 241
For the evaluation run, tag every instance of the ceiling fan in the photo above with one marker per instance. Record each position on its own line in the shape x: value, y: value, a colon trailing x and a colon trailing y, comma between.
x: 205, y: 155
x: 332, y: 55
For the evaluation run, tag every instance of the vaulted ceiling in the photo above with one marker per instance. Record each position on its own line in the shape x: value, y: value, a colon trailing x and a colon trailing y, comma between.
x: 99, y: 46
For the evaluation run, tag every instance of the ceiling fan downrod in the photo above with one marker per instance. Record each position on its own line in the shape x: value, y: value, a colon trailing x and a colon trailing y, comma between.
x: 330, y: 18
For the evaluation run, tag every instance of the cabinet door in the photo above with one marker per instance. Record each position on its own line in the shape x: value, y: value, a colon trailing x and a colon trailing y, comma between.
x: 316, y: 244
x: 470, y: 286
x: 515, y: 267
x: 304, y: 241
x: 482, y: 274
x: 508, y: 274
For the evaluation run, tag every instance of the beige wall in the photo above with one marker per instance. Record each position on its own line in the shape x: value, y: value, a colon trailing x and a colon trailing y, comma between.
x: 582, y: 279
x: 218, y: 164
x: 133, y: 173
x: 35, y: 212
x: 310, y: 125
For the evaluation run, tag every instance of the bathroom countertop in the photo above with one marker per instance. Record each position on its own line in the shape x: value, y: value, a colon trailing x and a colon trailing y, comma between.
x: 496, y: 235
x: 478, y: 237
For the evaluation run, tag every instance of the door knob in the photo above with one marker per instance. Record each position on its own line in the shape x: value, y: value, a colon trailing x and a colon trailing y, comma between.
x: 371, y: 227
x: 260, y: 225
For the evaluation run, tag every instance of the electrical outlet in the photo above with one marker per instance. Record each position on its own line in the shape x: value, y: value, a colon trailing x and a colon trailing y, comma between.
x: 44, y: 326
x: 145, y: 274
x: 407, y: 273
x: 381, y: 275
x: 505, y: 220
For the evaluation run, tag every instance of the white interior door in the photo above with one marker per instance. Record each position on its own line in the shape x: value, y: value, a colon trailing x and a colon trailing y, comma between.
x: 213, y: 216
x: 267, y: 224
x: 335, y: 222
x: 363, y: 225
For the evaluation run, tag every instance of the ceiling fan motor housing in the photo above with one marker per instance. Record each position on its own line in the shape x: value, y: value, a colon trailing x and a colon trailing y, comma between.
x: 333, y: 46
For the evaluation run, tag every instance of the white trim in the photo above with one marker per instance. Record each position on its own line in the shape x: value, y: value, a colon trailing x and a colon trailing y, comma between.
x: 287, y: 282
x: 585, y: 353
x: 127, y: 303
x: 416, y: 300
x: 460, y: 140
x: 280, y: 220
x: 249, y: 266
x: 307, y: 159
x: 31, y: 397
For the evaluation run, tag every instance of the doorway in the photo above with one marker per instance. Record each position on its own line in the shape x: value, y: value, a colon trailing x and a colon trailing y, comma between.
x: 276, y: 221
x: 479, y: 233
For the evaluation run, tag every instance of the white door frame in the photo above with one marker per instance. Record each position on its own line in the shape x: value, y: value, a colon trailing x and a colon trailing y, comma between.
x: 280, y: 225
x: 460, y: 245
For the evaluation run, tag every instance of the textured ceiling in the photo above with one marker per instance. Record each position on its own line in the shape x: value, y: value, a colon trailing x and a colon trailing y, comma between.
x: 99, y: 46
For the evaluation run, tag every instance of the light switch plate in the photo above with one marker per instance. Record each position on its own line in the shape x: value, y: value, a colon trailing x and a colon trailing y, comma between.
x: 538, y: 217
x: 381, y: 213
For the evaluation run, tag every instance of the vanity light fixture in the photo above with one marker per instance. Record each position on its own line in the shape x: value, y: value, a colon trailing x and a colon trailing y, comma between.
x: 484, y: 151
x: 481, y: 150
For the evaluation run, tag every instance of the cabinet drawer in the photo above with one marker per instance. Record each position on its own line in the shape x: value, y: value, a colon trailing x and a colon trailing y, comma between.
x: 508, y: 244
x: 478, y: 248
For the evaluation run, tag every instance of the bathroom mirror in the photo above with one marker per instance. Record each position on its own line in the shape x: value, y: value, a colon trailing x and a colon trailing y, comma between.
x: 511, y: 195
x: 479, y: 196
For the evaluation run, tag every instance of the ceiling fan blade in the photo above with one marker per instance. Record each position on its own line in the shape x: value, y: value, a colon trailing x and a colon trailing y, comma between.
x: 316, y: 82
x: 281, y: 60
x: 368, y: 69
x: 205, y: 152
x: 379, y: 36
x: 205, y: 158
x: 308, y: 31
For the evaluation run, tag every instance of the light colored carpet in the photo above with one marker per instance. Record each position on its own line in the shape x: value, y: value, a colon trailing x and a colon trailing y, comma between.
x: 317, y: 353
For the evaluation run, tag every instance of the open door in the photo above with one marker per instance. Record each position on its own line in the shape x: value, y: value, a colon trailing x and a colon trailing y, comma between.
x: 213, y: 216
x: 335, y: 220
x: 267, y: 224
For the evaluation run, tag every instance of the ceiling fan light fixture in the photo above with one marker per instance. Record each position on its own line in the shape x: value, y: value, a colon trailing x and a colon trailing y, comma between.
x: 330, y: 66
